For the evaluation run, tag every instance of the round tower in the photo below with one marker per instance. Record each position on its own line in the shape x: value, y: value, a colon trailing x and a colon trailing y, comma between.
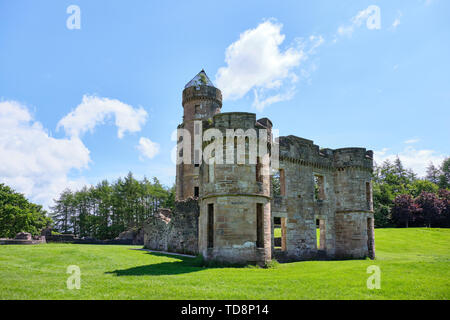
x: 354, y: 204
x: 201, y: 101
x: 234, y: 222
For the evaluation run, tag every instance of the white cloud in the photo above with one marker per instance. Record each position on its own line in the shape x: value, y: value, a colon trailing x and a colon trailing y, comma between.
x: 371, y: 15
x: 96, y: 110
x: 148, y: 148
x: 345, y: 30
x: 396, y: 22
x: 33, y: 162
x: 411, y: 141
x: 256, y: 62
x: 260, y: 105
x: 417, y: 160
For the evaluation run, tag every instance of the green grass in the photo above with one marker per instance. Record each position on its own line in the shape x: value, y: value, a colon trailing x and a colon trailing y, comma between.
x: 277, y: 232
x: 415, y: 264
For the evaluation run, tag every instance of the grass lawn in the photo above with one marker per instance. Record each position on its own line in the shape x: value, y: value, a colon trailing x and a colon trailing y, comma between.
x: 414, y: 263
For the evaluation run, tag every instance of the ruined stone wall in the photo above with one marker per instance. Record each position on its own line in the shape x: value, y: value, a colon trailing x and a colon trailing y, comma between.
x: 235, y: 234
x: 301, y: 160
x: 343, y: 206
x: 156, y: 229
x: 353, y: 234
x: 235, y: 192
x: 174, y: 231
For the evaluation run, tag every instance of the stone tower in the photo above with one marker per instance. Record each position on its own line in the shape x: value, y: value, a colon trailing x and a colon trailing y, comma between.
x: 235, y: 221
x: 354, y: 221
x: 201, y: 101
x: 228, y: 208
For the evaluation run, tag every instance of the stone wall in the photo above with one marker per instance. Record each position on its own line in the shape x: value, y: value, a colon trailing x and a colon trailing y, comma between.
x: 354, y: 203
x: 23, y: 238
x: 353, y: 233
x: 237, y: 194
x: 342, y: 207
x: 174, y: 231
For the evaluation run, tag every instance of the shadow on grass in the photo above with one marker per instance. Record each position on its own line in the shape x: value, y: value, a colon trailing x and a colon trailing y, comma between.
x: 184, y: 265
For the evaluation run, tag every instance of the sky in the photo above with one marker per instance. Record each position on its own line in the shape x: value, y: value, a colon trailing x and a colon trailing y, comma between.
x: 90, y: 90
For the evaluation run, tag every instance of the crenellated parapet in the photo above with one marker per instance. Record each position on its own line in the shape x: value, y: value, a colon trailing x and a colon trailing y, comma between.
x: 202, y: 92
x: 353, y: 158
x: 305, y: 152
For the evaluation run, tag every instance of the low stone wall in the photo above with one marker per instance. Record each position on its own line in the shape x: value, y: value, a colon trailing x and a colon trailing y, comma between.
x: 174, y: 231
x: 64, y: 238
x: 70, y: 238
x: 95, y: 241
x: 23, y: 238
x: 22, y: 241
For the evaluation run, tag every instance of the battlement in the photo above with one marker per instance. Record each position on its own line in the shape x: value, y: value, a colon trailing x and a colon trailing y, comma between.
x: 293, y: 148
x: 235, y: 120
x: 353, y: 157
x: 202, y: 92
x: 265, y: 122
x: 296, y: 148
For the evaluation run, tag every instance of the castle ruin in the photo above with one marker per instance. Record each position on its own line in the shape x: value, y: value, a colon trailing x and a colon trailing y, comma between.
x: 226, y: 211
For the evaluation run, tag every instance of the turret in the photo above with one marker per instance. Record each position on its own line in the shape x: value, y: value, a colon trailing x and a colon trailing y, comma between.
x: 354, y: 220
x: 234, y: 222
x: 201, y: 101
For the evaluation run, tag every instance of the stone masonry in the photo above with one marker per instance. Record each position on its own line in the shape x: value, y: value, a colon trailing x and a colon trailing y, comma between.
x: 174, y: 231
x: 227, y: 211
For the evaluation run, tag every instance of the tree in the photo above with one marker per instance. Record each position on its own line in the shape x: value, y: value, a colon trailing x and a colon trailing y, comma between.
x: 276, y: 185
x: 432, y: 208
x: 433, y: 174
x: 444, y: 178
x: 404, y: 209
x: 389, y: 181
x: 382, y: 216
x: 62, y: 211
x: 170, y: 201
x: 419, y: 186
x: 104, y: 211
x: 444, y: 195
x: 17, y: 214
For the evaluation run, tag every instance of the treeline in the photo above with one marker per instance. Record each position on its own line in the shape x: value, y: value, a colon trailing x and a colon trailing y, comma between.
x: 403, y: 200
x: 17, y: 214
x: 104, y: 211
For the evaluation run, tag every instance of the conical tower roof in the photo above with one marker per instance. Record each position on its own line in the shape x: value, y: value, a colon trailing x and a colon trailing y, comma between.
x: 201, y: 79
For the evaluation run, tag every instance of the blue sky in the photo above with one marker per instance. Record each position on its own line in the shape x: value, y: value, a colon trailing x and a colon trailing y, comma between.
x: 317, y: 69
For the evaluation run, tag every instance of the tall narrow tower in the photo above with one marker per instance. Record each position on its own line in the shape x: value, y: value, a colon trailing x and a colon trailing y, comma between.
x: 201, y: 101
